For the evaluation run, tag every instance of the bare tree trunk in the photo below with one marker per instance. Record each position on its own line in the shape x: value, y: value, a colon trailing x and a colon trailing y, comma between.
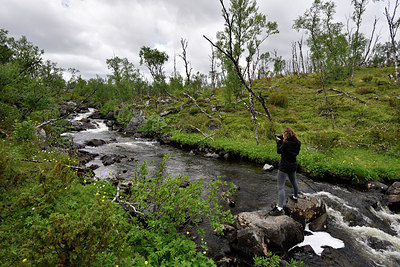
x: 368, y: 50
x: 300, y: 43
x: 393, y: 27
x: 188, y: 69
x: 252, y: 110
x: 213, y: 71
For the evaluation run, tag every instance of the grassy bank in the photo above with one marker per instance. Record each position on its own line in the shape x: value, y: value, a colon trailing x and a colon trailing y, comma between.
x: 354, y: 136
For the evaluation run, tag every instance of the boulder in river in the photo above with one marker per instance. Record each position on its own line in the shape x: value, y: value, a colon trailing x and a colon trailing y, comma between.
x: 95, y: 142
x: 257, y: 233
x: 137, y: 120
x: 392, y: 197
x: 111, y: 159
x: 305, y: 210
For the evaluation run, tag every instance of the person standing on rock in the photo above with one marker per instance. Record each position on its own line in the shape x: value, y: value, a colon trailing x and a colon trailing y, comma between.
x: 289, y: 148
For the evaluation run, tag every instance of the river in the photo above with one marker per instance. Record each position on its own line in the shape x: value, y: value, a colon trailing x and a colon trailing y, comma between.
x: 360, y: 232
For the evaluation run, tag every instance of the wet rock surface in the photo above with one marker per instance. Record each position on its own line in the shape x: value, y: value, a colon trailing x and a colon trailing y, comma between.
x: 392, y: 197
x: 256, y: 233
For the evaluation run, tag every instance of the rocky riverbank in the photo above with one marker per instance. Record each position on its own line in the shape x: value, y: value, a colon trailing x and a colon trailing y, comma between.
x: 249, y: 226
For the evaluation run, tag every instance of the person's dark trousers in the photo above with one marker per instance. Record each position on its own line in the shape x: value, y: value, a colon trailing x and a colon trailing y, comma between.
x: 281, y: 186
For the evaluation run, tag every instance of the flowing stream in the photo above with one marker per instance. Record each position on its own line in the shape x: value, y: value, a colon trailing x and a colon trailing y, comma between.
x: 360, y: 232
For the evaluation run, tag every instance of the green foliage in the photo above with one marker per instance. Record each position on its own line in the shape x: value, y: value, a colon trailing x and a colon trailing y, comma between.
x: 24, y: 131
x: 125, y: 115
x: 273, y: 261
x: 154, y: 124
x: 54, y: 217
x: 325, y: 140
x: 168, y: 206
x: 154, y: 60
x: 279, y: 99
x: 367, y: 78
x: 165, y: 249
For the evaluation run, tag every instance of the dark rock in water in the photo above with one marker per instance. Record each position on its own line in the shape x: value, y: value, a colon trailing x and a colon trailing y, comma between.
x: 85, y: 156
x: 378, y: 244
x: 110, y: 123
x: 110, y: 115
x: 111, y: 159
x: 392, y: 197
x: 166, y: 139
x: 319, y: 224
x: 305, y: 210
x: 168, y: 112
x: 393, y: 202
x: 97, y: 115
x: 394, y: 189
x: 304, y: 250
x: 377, y: 186
x: 93, y: 167
x: 95, y: 142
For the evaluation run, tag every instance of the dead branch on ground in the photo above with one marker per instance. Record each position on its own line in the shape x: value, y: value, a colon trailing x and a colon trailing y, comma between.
x: 202, y: 110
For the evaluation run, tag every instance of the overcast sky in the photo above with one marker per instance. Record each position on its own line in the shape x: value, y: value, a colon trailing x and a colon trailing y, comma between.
x: 82, y: 34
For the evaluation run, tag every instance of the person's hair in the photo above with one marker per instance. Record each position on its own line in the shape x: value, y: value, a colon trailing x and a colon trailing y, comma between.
x: 288, y: 132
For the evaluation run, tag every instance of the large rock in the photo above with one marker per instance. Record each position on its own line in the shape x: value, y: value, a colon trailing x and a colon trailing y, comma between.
x: 95, y: 142
x: 137, y: 120
x: 111, y: 159
x: 257, y: 233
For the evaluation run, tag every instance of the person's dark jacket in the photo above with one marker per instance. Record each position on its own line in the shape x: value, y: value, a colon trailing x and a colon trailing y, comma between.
x: 288, y: 150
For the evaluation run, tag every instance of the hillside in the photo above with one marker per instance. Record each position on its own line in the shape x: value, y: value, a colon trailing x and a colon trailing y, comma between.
x: 356, y: 135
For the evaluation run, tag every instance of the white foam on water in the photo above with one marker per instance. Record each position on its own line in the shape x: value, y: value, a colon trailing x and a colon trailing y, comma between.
x: 386, y: 215
x: 136, y: 143
x: 334, y: 198
x: 100, y: 127
x: 84, y: 115
x: 320, y: 239
x: 361, y: 233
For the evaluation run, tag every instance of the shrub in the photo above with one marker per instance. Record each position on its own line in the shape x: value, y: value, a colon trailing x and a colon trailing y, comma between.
x: 365, y: 90
x: 279, y: 99
x: 24, y: 131
x: 154, y: 124
x: 324, y: 140
x: 367, y: 78
x: 166, y: 213
x: 125, y: 115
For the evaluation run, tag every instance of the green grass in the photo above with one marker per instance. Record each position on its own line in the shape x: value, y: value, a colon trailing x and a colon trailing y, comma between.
x: 360, y: 141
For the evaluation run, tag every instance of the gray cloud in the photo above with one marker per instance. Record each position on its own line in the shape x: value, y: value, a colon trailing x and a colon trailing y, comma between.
x: 83, y: 33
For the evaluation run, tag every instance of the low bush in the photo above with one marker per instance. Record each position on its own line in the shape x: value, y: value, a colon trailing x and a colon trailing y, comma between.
x: 279, y: 99
x: 154, y: 124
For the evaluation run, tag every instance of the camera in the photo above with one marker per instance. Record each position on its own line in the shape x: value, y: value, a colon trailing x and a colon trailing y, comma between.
x: 280, y: 136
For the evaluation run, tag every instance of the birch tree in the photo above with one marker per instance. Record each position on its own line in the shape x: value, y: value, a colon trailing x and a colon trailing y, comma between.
x: 393, y: 21
x: 245, y: 30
